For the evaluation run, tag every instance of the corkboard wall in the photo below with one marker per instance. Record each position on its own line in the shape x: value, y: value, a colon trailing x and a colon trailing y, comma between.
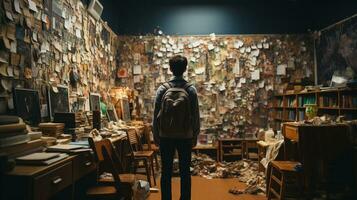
x: 235, y: 75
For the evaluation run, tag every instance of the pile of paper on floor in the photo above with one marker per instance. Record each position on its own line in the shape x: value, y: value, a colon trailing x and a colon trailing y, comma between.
x: 245, y: 171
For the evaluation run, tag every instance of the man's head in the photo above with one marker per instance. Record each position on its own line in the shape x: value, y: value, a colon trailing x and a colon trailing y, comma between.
x: 178, y: 65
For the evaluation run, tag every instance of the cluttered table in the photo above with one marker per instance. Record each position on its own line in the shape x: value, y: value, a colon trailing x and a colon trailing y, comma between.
x: 62, y: 178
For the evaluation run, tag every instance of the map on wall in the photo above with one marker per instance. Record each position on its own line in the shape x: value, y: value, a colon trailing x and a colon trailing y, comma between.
x: 337, y: 50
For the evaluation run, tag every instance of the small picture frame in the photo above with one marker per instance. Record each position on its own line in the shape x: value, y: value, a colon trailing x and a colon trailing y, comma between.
x: 125, y: 109
x: 94, y: 101
x: 112, y: 115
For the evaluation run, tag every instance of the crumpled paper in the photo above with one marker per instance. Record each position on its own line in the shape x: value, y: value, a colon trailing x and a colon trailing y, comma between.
x: 245, y: 171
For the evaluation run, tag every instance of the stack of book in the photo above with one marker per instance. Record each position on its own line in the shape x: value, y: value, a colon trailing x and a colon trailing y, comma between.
x: 12, y: 131
x: 42, y: 158
x: 52, y: 129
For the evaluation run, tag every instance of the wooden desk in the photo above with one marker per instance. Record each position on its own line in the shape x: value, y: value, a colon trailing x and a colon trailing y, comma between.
x: 44, y: 182
x: 200, y: 148
x: 317, y: 147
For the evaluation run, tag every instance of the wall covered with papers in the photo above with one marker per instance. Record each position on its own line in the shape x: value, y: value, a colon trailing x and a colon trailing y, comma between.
x: 235, y: 75
x: 50, y: 42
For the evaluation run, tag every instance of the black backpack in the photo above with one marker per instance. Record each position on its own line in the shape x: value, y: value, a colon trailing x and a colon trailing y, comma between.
x: 174, y: 118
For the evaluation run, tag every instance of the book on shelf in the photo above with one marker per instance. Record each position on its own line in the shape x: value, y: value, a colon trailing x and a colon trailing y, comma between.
x: 292, y: 115
x: 308, y: 100
x: 328, y: 101
x: 291, y: 102
x: 349, y: 101
x: 301, y: 115
x: 279, y: 102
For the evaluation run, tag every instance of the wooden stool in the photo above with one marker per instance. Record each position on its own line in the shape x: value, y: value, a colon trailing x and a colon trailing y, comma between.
x: 283, y: 168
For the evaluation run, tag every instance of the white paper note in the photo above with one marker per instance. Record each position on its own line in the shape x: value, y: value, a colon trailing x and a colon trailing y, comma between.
x: 32, y: 6
x: 281, y: 69
x: 256, y: 74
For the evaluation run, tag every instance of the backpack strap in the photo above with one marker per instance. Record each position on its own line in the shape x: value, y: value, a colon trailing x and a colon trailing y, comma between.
x: 167, y: 85
x: 186, y: 86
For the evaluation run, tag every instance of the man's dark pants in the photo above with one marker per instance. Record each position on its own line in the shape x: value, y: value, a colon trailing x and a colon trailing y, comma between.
x: 167, y: 150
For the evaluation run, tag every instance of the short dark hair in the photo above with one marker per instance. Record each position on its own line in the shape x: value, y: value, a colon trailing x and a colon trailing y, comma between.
x: 178, y: 65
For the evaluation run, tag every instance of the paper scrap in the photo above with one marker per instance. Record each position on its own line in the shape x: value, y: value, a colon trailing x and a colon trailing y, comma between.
x: 238, y: 44
x: 255, y: 74
x: 281, y: 69
x: 137, y: 69
x: 32, y: 6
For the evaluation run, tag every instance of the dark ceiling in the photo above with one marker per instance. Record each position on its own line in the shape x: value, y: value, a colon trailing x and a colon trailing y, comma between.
x: 136, y: 17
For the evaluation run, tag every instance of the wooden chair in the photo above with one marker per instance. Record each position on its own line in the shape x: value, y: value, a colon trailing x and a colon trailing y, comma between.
x: 137, y: 155
x: 106, y: 166
x: 279, y: 173
x: 119, y: 189
x: 149, y: 146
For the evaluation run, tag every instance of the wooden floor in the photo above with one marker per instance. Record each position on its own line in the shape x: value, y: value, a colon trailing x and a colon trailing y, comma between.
x: 209, y: 189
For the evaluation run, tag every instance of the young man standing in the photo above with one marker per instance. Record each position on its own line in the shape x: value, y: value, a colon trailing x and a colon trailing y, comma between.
x: 176, y: 124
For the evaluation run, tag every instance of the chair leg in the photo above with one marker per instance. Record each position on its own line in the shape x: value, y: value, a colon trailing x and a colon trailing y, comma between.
x: 148, y: 175
x: 157, y: 163
x: 153, y: 170
x: 282, y: 187
x: 269, y: 187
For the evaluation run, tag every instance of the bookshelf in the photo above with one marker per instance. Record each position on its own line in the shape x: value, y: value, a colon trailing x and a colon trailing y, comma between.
x: 291, y: 107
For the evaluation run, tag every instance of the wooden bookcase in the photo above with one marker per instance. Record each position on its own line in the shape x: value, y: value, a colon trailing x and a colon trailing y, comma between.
x: 290, y: 107
x: 233, y: 149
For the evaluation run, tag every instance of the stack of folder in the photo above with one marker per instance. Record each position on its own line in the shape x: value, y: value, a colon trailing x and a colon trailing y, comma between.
x: 12, y: 131
x: 41, y: 158
x: 52, y: 129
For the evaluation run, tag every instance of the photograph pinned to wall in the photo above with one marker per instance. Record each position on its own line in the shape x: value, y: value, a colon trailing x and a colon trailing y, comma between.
x: 112, y: 115
x: 94, y: 101
x: 57, y: 99
x: 125, y: 109
x: 27, y: 105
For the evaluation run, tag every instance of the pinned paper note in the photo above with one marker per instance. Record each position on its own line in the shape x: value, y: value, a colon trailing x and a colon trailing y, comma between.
x: 261, y: 84
x: 200, y: 70
x: 281, y: 69
x: 238, y: 44
x: 210, y: 46
x: 236, y: 68
x: 255, y: 74
x: 255, y: 53
x: 17, y: 6
x: 137, y: 79
x: 32, y: 6
x: 266, y: 45
x: 137, y: 69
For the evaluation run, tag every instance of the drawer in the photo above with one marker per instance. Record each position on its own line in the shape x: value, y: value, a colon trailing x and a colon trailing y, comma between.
x: 52, y: 182
x: 82, y: 165
x: 292, y: 133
